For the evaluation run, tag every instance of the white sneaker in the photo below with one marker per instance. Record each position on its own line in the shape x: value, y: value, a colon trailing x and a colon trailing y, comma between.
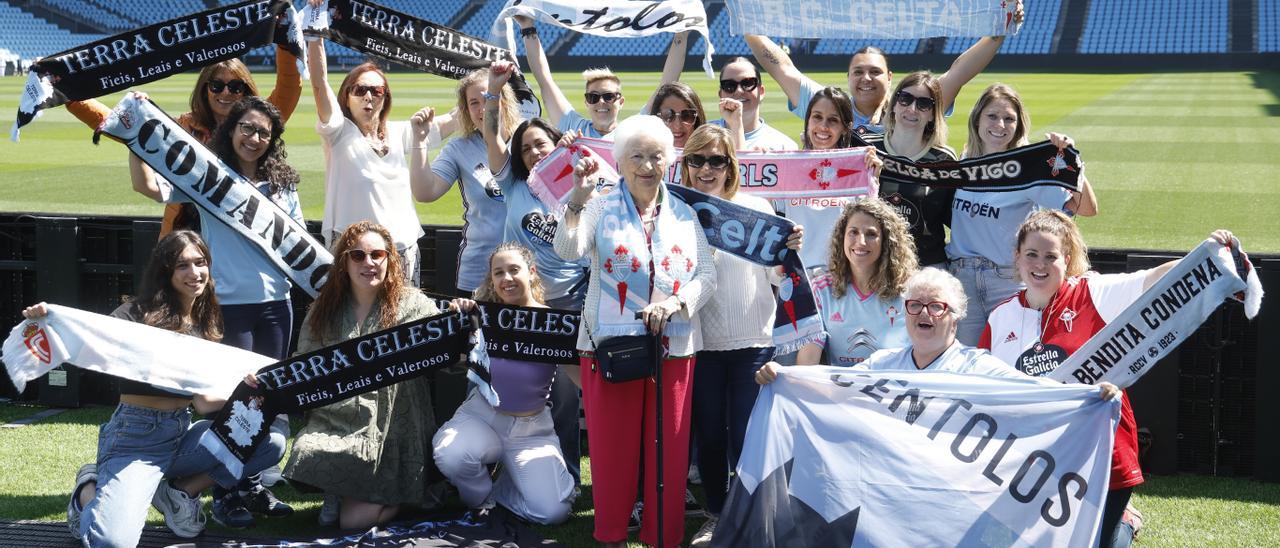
x: 271, y: 476
x: 182, y: 512
x: 329, y: 511
x: 87, y: 473
x: 703, y: 536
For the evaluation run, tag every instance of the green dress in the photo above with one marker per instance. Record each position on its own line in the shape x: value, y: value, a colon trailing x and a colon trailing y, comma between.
x: 374, y: 447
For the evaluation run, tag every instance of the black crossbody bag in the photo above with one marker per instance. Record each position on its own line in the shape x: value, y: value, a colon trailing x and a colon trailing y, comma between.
x: 625, y: 358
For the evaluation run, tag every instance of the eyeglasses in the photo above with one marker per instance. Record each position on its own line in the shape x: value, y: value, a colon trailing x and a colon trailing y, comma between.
x: 923, y: 104
x: 236, y: 87
x: 608, y: 97
x: 249, y: 130
x: 361, y: 91
x: 359, y: 255
x: 715, y: 161
x: 936, y: 308
x: 747, y: 84
x: 686, y: 116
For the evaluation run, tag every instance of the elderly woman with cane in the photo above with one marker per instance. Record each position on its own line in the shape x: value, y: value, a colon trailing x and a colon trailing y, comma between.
x: 651, y: 270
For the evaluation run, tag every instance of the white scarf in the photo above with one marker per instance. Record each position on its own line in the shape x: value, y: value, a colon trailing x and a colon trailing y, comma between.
x: 626, y: 258
x: 125, y: 349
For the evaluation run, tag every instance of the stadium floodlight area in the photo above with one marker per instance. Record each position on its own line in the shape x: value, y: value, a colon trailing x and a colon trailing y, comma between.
x: 1155, y: 26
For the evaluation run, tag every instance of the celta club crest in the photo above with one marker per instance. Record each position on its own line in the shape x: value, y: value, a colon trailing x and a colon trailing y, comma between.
x: 1059, y: 163
x: 1008, y: 13
x: 1067, y: 316
x: 37, y: 343
x: 892, y: 313
x: 825, y: 173
x: 617, y: 267
x: 678, y: 266
x: 786, y: 289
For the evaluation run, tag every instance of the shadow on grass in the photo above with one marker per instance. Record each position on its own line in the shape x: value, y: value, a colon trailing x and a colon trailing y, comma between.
x: 1270, y: 81
x: 30, y: 507
x: 1210, y: 487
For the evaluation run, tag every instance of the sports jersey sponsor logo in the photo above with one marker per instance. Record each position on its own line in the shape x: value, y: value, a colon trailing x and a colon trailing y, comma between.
x: 908, y: 210
x: 542, y: 228
x: 1040, y: 359
x: 975, y: 209
x: 860, y: 341
x: 489, y: 182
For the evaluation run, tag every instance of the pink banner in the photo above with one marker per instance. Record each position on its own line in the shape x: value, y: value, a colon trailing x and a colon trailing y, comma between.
x: 781, y: 174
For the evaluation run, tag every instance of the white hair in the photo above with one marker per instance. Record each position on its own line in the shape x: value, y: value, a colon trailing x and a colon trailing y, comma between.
x: 947, y: 286
x: 642, y: 124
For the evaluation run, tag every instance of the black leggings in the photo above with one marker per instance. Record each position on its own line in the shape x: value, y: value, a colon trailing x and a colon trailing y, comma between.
x: 1112, y: 511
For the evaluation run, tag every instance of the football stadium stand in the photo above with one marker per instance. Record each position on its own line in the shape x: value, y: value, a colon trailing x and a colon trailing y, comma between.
x: 1155, y: 26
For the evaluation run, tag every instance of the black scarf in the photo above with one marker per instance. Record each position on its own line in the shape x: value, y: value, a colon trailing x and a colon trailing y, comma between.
x: 1017, y: 169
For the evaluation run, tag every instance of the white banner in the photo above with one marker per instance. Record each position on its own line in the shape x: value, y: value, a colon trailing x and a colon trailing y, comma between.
x: 841, y: 457
x: 125, y: 349
x: 615, y: 19
x: 892, y: 19
x: 1165, y: 315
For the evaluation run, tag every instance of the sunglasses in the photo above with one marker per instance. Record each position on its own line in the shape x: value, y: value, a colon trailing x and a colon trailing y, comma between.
x: 358, y: 255
x: 687, y: 116
x: 236, y: 87
x: 747, y: 84
x: 715, y: 161
x: 923, y: 104
x: 936, y: 308
x: 249, y: 130
x: 608, y: 97
x: 361, y: 91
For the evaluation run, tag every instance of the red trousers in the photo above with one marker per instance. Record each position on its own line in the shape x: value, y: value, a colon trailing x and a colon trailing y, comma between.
x: 621, y: 421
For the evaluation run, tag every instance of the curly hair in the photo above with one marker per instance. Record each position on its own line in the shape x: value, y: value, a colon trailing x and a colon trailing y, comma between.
x: 897, y: 260
x: 519, y: 171
x: 488, y: 293
x: 935, y: 131
x: 1057, y: 223
x: 974, y: 148
x: 272, y: 166
x: 349, y: 85
x: 508, y: 107
x: 706, y: 137
x: 844, y: 110
x: 159, y: 302
x: 336, y: 293
x: 200, y: 108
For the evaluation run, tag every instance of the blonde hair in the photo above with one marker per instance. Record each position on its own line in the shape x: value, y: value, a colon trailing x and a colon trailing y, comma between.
x: 593, y: 75
x: 935, y: 132
x: 507, y: 109
x: 973, y: 148
x: 706, y: 136
x: 897, y: 260
x: 488, y: 293
x: 1057, y: 223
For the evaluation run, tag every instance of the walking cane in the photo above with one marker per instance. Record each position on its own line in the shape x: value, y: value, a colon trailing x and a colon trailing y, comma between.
x: 656, y: 344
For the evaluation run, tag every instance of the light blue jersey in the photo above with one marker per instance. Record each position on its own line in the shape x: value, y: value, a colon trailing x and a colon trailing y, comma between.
x: 483, y: 211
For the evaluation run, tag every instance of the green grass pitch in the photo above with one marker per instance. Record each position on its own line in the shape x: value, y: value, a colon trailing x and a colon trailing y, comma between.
x: 1172, y: 155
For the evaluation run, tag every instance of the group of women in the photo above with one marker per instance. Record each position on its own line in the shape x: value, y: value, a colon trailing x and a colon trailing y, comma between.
x: 893, y: 292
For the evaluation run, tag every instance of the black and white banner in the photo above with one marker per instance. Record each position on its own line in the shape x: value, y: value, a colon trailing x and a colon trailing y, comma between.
x: 1017, y: 169
x: 613, y: 19
x: 413, y: 42
x: 840, y: 457
x: 761, y: 238
x: 216, y: 188
x: 1165, y: 315
x: 333, y: 374
x: 158, y: 51
x: 541, y: 335
x: 892, y: 19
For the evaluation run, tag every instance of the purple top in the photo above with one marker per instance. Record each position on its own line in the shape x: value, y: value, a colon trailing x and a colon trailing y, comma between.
x: 522, y: 386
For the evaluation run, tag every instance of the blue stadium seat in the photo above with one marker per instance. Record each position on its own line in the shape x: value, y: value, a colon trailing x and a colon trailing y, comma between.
x: 1157, y: 26
x: 1035, y: 37
x: 1268, y: 21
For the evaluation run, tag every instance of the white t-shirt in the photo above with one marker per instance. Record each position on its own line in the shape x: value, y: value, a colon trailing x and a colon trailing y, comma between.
x: 484, y: 211
x: 764, y: 137
x: 359, y: 185
x: 957, y: 358
x: 858, y: 325
x: 985, y: 224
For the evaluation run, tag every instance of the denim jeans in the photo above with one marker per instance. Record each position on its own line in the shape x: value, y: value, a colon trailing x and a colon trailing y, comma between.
x: 534, y: 483
x: 137, y: 449
x: 987, y: 285
x: 724, y: 391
